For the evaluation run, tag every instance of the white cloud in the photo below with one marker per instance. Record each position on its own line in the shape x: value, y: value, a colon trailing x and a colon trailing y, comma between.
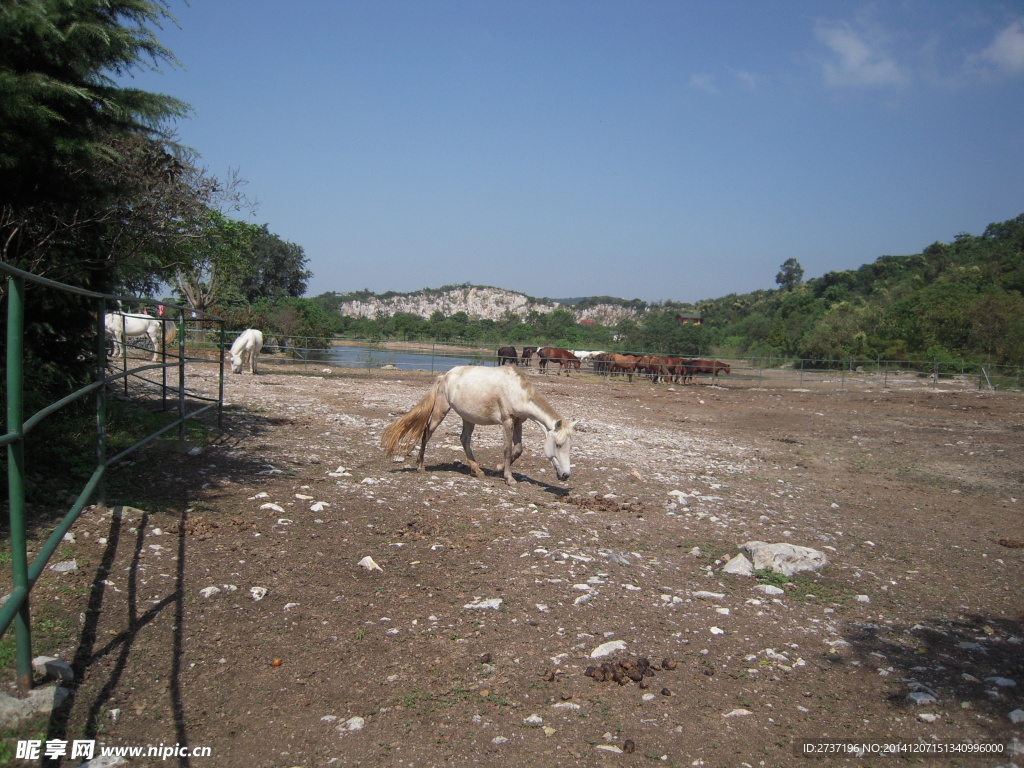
x: 747, y: 79
x: 1006, y: 52
x: 703, y: 82
x: 856, y: 59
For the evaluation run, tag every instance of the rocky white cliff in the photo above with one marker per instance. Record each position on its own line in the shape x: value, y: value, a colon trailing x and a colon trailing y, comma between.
x: 479, y: 302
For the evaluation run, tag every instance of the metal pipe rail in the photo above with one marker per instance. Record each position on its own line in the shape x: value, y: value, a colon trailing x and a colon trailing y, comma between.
x: 24, y: 574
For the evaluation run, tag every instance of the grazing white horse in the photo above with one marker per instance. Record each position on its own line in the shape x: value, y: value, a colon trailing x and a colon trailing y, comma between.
x: 484, y: 396
x: 245, y: 350
x: 120, y: 325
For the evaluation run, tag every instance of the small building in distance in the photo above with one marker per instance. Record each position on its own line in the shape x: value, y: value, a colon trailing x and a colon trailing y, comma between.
x: 688, y: 318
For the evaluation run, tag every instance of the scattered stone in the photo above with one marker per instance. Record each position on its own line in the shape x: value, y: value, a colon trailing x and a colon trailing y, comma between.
x: 666, y: 692
x: 607, y: 649
x: 926, y: 717
x: 738, y: 713
x: 68, y: 566
x: 703, y: 595
x: 614, y: 558
x: 609, y: 748
x: 40, y: 701
x: 1002, y: 682
x: 499, y: 740
x: 628, y: 747
x: 739, y: 566
x: 533, y: 721
x: 479, y: 604
x: 274, y: 507
x: 1017, y: 716
x: 53, y: 668
x: 669, y: 663
x: 105, y: 761
x: 209, y: 591
x: 352, y: 724
x: 787, y: 559
x: 770, y: 589
x: 920, y: 697
x: 863, y: 599
x: 258, y: 593
x: 369, y: 564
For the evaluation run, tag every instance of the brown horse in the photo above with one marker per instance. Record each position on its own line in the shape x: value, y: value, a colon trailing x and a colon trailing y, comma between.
x: 712, y: 367
x: 507, y: 356
x: 657, y: 368
x: 528, y: 354
x: 565, y: 359
x: 622, y: 364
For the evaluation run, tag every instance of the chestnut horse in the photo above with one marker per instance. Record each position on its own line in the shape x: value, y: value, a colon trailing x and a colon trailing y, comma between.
x: 565, y: 359
x: 712, y: 367
x: 484, y: 396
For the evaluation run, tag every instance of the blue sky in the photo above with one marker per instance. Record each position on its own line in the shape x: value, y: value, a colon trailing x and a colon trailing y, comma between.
x: 656, y: 149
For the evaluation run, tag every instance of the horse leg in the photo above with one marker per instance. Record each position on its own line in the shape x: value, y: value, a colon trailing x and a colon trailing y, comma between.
x: 440, y: 410
x: 513, y: 447
x: 467, y: 446
x: 155, y: 337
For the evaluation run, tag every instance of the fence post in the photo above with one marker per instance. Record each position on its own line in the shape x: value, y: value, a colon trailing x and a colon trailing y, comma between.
x: 16, y: 478
x: 101, y: 402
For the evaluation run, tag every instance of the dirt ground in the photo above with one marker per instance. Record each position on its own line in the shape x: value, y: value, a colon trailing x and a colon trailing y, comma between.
x: 914, y: 495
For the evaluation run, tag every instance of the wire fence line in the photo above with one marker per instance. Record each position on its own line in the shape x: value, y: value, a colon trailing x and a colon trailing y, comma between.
x: 334, y: 355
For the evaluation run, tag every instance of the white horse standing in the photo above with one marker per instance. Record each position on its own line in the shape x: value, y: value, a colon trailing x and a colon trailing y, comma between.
x: 484, y: 396
x: 120, y: 325
x: 245, y: 350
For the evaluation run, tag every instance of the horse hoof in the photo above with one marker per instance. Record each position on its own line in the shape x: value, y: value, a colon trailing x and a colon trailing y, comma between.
x: 510, y: 481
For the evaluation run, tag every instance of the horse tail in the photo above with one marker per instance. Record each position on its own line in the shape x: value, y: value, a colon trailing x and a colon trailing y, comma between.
x: 406, y: 430
x: 170, y: 331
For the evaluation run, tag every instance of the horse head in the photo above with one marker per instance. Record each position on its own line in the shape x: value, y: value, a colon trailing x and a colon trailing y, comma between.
x: 558, y: 446
x: 236, y: 361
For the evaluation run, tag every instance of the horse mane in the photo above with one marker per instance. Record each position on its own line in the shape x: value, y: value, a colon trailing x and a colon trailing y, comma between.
x: 536, y: 396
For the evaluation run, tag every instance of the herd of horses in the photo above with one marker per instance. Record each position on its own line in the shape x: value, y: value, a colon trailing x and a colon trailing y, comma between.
x: 681, y: 370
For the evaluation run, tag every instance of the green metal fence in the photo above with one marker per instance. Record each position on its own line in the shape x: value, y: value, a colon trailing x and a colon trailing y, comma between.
x: 300, y: 354
x: 18, y: 428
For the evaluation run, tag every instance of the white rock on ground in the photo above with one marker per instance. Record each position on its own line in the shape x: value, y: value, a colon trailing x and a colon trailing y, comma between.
x: 607, y: 649
x: 787, y: 559
x: 739, y: 566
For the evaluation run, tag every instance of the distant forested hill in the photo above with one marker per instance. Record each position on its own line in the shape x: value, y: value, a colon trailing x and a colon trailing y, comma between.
x: 953, y: 300
x: 956, y: 300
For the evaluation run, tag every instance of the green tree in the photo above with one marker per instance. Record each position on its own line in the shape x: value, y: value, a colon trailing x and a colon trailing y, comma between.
x: 64, y: 121
x: 274, y: 268
x: 216, y: 261
x: 790, y: 275
x: 62, y: 114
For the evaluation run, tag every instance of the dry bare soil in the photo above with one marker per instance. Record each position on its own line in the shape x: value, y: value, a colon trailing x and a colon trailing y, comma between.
x: 913, y: 494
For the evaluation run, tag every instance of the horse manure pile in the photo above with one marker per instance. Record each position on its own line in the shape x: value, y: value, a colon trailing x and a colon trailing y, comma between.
x: 635, y: 670
x: 200, y: 527
x: 602, y: 504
